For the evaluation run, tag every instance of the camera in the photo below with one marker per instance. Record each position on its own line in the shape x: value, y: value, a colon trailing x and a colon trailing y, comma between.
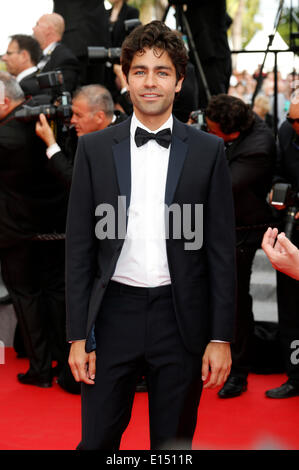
x: 112, y: 54
x: 59, y: 109
x: 285, y: 196
x: 104, y: 54
x: 198, y: 120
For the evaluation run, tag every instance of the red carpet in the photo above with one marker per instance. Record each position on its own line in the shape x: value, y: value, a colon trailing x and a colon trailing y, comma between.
x: 49, y: 419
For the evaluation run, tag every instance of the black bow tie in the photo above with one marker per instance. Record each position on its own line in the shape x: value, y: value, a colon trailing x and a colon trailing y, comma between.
x: 163, y: 137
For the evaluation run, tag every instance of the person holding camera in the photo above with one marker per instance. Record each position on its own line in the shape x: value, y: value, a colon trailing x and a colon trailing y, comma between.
x: 31, y: 203
x: 93, y: 110
x: 288, y: 288
x: 251, y: 151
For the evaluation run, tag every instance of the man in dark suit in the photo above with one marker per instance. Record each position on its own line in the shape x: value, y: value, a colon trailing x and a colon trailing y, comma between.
x: 139, y: 296
x: 21, y: 59
x: 251, y: 151
x: 31, y: 203
x: 48, y: 31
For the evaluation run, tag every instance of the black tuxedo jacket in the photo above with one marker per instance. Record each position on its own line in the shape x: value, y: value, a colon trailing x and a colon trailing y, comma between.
x: 203, y: 280
x: 64, y: 60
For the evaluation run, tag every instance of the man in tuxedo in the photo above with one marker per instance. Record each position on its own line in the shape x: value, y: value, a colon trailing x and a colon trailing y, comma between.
x: 140, y: 297
x: 21, y: 59
x: 48, y: 31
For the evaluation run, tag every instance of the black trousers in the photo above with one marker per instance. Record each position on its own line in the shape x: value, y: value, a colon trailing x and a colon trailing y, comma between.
x: 33, y: 272
x: 288, y: 318
x: 136, y: 331
x: 241, y: 347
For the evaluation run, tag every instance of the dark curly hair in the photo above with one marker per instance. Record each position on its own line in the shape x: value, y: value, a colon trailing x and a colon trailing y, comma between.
x: 155, y: 35
x: 231, y: 113
x: 29, y: 44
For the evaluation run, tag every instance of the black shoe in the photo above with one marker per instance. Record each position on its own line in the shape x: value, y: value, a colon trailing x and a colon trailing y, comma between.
x: 233, y: 387
x: 141, y: 386
x: 286, y: 390
x: 28, y: 379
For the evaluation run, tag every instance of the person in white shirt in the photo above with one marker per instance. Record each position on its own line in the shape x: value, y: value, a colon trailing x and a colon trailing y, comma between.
x: 146, y: 291
x: 48, y: 31
x: 21, y: 59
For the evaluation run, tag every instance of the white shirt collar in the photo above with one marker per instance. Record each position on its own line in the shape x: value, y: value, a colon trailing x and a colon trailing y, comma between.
x: 25, y: 73
x: 50, y: 48
x: 136, y: 123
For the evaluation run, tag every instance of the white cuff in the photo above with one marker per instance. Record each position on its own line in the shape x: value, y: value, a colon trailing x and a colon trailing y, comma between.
x: 54, y: 148
x: 218, y: 341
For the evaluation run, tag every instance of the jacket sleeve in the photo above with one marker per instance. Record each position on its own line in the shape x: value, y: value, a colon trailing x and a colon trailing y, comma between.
x: 81, y: 246
x: 219, y: 234
x: 62, y: 168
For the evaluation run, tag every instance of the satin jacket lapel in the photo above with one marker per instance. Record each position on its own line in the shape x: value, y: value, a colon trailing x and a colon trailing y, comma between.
x: 177, y: 157
x: 122, y: 159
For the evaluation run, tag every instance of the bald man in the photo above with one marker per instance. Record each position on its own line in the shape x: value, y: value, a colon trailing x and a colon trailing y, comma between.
x: 48, y: 31
x: 287, y: 287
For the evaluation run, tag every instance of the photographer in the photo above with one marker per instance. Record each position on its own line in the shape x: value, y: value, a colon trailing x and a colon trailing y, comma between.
x: 31, y: 203
x: 288, y: 288
x: 93, y: 110
x: 250, y: 150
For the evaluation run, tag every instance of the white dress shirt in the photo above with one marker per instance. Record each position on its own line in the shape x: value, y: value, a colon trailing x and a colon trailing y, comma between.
x: 25, y: 73
x: 46, y: 52
x: 143, y: 259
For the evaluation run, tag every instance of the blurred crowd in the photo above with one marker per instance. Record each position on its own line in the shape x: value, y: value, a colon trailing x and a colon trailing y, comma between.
x: 243, y: 85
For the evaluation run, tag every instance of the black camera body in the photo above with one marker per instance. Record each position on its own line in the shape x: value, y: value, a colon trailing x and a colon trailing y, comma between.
x: 102, y: 54
x: 112, y: 54
x: 198, y: 120
x: 59, y: 108
x: 284, y: 196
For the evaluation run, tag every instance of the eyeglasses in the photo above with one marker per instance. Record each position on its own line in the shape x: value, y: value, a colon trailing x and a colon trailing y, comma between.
x: 292, y: 120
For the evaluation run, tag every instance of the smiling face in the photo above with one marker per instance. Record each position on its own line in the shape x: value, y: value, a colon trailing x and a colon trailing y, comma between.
x: 152, y: 84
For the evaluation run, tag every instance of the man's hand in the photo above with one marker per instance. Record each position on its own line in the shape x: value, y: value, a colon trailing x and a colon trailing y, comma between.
x: 217, y: 359
x: 44, y: 131
x: 283, y: 255
x: 82, y: 364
